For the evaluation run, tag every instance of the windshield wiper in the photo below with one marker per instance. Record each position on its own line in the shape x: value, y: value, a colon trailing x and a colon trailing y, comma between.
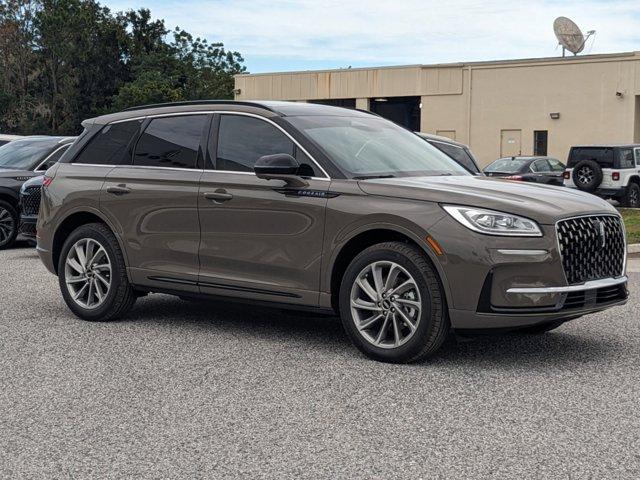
x: 370, y: 177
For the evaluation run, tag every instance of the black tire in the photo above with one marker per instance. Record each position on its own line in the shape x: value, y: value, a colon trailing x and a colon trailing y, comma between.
x: 9, y: 224
x: 587, y: 175
x: 120, y: 296
x: 631, y: 198
x: 433, y: 325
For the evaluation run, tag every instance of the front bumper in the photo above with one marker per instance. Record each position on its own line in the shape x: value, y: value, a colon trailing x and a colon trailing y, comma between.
x: 28, y: 226
x: 572, y: 302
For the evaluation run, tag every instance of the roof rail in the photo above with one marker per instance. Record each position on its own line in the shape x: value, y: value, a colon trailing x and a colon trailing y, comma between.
x: 199, y: 102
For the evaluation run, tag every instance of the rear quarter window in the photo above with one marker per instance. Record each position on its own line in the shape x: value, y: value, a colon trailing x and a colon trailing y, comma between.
x: 110, y: 146
x: 604, y: 156
x: 625, y: 158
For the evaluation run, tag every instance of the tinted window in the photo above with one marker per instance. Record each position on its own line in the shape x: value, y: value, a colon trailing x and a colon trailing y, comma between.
x: 109, y: 146
x: 540, y: 166
x: 171, y: 142
x: 242, y: 140
x: 458, y: 154
x: 626, y: 158
x: 507, y: 165
x: 53, y: 158
x: 556, y: 166
x: 637, y: 150
x: 604, y: 156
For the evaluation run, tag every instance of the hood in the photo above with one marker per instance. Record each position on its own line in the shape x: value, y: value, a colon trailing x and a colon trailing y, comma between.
x: 544, y: 203
x: 9, y: 173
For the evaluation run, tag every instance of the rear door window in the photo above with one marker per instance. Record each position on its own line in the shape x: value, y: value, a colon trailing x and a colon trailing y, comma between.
x: 603, y: 156
x: 637, y: 154
x: 172, y: 142
x: 111, y: 145
x: 625, y: 158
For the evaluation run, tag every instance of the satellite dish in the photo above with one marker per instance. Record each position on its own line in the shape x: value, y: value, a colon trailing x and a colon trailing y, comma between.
x: 569, y: 35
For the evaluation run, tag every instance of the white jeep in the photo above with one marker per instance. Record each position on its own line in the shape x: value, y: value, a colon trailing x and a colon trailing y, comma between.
x: 609, y: 171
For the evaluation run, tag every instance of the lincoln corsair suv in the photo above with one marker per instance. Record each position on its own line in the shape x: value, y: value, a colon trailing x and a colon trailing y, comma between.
x: 318, y: 207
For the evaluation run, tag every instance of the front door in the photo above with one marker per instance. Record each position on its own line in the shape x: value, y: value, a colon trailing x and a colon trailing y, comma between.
x: 510, y: 141
x: 154, y: 202
x: 260, y: 239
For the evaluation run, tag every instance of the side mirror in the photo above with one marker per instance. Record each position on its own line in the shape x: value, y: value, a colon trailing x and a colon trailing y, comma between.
x: 280, y: 166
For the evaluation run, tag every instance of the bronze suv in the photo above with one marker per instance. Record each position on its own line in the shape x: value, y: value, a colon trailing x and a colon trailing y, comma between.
x: 318, y: 207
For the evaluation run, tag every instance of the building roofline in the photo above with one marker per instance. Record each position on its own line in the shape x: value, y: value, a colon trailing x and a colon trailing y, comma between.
x: 516, y: 61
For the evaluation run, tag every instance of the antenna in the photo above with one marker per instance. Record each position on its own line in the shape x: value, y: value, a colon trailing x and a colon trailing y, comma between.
x: 569, y: 35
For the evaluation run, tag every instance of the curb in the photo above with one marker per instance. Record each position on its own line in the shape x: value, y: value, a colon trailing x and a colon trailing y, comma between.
x: 634, y: 249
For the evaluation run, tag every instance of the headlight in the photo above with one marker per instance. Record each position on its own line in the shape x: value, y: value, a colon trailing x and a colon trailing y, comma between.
x: 493, y: 223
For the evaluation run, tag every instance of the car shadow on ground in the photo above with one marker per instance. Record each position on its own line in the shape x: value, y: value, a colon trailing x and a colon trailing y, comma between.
x: 509, y: 351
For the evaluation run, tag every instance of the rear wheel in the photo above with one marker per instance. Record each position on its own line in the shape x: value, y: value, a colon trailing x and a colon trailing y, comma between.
x: 631, y: 197
x: 92, y: 274
x: 8, y: 224
x: 391, y: 304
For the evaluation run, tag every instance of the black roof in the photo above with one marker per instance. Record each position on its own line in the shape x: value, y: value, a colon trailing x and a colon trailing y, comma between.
x: 264, y: 108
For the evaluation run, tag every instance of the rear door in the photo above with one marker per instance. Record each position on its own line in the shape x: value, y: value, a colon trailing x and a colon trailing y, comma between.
x: 153, y: 200
x: 260, y: 239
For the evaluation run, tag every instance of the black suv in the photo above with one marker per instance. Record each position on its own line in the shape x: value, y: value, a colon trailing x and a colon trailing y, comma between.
x: 609, y: 171
x: 21, y: 160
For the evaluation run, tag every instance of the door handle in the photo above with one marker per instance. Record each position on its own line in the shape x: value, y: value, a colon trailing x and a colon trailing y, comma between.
x: 118, y: 190
x: 218, y: 196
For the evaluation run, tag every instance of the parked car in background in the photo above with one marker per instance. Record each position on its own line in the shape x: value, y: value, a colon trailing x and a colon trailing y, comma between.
x: 317, y: 207
x: 456, y: 150
x: 545, y: 170
x: 4, y: 139
x: 609, y: 171
x: 30, y: 195
x: 21, y: 160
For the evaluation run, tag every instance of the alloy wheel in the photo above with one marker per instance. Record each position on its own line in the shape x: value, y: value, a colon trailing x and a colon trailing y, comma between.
x: 385, y: 304
x: 585, y: 175
x: 88, y: 273
x: 7, y: 226
x: 634, y: 198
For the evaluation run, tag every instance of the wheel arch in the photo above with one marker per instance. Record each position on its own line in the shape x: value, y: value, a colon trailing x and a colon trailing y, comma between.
x: 71, y: 222
x: 9, y: 196
x: 372, y: 235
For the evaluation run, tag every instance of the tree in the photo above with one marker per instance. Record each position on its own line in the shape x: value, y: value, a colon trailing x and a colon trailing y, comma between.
x: 62, y: 61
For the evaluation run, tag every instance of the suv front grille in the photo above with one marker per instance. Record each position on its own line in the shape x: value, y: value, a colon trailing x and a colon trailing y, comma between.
x: 30, y: 201
x: 591, y: 247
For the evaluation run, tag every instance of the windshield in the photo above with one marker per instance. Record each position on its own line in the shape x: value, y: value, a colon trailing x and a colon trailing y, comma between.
x: 374, y: 147
x: 507, y: 165
x: 24, y: 154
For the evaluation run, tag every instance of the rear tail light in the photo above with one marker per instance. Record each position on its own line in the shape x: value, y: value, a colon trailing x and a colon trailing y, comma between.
x: 566, y: 175
x: 47, y: 181
x: 615, y: 176
x: 514, y: 177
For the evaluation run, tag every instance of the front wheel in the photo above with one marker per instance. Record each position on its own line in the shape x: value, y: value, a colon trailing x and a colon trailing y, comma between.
x: 391, y: 304
x: 92, y: 274
x: 8, y: 225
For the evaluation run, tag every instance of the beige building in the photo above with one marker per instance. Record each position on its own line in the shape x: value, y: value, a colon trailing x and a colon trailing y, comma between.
x: 500, y: 108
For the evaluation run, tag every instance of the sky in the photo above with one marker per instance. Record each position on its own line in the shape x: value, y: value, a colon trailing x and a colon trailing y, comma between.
x: 290, y: 35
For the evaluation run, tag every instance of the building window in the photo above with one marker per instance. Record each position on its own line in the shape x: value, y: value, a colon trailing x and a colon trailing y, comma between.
x: 540, y: 138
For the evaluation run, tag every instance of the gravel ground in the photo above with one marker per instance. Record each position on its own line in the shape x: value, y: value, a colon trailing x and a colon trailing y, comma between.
x: 213, y: 390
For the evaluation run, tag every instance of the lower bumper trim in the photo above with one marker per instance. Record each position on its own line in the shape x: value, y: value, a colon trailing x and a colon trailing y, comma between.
x: 592, y: 285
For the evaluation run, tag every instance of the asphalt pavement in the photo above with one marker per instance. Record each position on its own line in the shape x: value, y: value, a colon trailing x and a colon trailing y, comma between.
x: 211, y: 390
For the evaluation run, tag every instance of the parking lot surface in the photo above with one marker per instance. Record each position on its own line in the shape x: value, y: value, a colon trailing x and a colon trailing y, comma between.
x: 188, y: 390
